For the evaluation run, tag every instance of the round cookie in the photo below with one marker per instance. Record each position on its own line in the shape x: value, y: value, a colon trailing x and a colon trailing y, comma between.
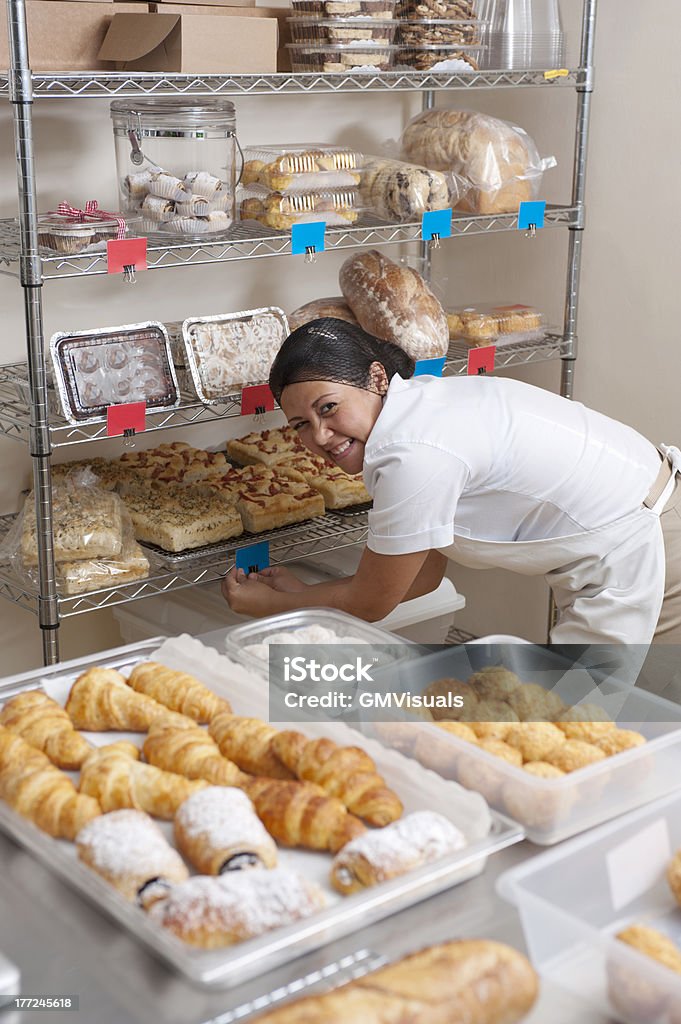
x: 532, y: 703
x: 534, y: 739
x: 494, y: 682
x: 615, y: 741
x: 574, y: 754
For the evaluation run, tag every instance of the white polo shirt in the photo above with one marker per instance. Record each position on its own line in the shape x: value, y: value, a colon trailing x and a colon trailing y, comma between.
x: 496, y: 459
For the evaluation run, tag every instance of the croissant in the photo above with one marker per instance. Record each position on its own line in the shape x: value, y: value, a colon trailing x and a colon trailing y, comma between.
x: 301, y: 814
x: 117, y: 781
x: 129, y: 851
x: 44, y: 724
x: 218, y: 830
x: 192, y: 753
x: 248, y: 742
x: 34, y: 788
x: 344, y: 772
x: 177, y: 690
x: 100, y: 700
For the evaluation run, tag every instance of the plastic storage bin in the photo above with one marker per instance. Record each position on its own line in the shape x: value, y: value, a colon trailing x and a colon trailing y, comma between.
x: 549, y: 809
x: 70, y: 234
x: 343, y: 30
x: 301, y: 167
x: 425, y: 57
x: 573, y: 901
x: 415, y: 31
x: 488, y: 324
x: 337, y: 208
x: 334, y: 58
x: 345, y: 8
x: 177, y: 163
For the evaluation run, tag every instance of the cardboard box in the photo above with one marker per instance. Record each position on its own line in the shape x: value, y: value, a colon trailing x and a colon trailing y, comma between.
x: 204, y: 3
x: 65, y: 35
x: 282, y: 14
x: 191, y: 44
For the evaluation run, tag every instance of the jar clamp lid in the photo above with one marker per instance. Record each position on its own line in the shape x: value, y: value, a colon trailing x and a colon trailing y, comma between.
x: 169, y: 118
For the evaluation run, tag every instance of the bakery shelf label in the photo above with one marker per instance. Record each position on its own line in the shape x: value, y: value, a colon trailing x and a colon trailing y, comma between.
x: 436, y: 224
x: 254, y: 557
x: 126, y: 256
x: 432, y: 367
x: 256, y: 400
x: 308, y: 239
x: 126, y: 420
x: 531, y: 215
x: 481, y: 360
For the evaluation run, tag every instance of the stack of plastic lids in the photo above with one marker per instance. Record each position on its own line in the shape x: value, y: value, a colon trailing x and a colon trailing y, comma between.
x: 301, y: 183
x: 342, y: 36
x: 440, y: 35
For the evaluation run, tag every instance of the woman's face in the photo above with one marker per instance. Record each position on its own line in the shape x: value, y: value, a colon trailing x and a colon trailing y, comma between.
x: 333, y: 420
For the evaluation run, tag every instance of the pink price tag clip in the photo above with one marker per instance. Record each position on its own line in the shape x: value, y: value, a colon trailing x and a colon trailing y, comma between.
x: 257, y: 400
x: 481, y: 360
x: 126, y: 421
x: 126, y: 256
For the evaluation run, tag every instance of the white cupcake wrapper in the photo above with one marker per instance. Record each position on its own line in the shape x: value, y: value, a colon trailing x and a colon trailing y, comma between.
x: 158, y: 209
x: 203, y: 183
x: 168, y: 187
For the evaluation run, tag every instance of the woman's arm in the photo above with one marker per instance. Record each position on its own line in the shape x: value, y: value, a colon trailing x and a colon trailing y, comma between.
x: 378, y: 586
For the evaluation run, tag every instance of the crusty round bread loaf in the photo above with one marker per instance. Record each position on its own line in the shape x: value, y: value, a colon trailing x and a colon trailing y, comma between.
x: 500, y: 161
x: 394, y: 303
x: 336, y: 306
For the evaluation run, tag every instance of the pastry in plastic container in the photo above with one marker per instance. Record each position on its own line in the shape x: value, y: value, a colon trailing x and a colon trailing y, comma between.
x: 84, y: 575
x: 301, y: 167
x: 345, y: 8
x: 343, y: 30
x: 226, y: 352
x: 341, y: 57
x: 399, y: 191
x: 99, y: 368
x: 276, y: 210
x: 439, y: 32
x: 68, y: 235
x: 439, y: 58
x: 495, y: 325
x: 461, y: 10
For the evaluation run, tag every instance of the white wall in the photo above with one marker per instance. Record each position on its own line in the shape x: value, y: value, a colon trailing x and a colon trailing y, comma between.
x: 628, y: 319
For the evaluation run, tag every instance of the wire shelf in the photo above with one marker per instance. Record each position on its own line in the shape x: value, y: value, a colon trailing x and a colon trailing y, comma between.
x: 249, y: 240
x: 15, y: 414
x: 75, y: 85
x: 287, y: 544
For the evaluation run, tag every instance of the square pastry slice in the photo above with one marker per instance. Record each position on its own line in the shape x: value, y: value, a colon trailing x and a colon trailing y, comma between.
x: 266, y: 446
x: 266, y: 499
x: 338, y: 488
x: 182, y: 518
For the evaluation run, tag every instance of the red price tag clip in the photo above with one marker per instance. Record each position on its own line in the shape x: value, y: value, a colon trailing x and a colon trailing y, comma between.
x: 126, y: 421
x: 481, y: 360
x: 257, y: 400
x: 126, y: 256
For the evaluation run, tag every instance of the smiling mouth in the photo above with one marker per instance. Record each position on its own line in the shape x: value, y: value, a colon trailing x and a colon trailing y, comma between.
x: 341, y: 450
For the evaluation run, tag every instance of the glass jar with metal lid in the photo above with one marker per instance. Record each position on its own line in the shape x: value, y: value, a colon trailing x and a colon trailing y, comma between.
x: 177, y: 163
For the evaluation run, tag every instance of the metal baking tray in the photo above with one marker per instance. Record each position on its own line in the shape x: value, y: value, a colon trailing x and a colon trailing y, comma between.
x: 292, y: 532
x: 246, y: 317
x: 230, y: 966
x: 64, y: 347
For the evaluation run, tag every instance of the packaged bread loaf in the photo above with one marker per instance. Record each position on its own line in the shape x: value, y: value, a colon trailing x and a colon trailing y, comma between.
x: 499, y: 160
x: 394, y: 303
x: 464, y: 982
x: 336, y: 306
x: 400, y: 191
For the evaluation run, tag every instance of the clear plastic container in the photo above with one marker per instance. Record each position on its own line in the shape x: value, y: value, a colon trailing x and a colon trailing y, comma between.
x: 225, y: 352
x: 70, y: 235
x: 275, y: 210
x: 439, y: 32
x: 340, y: 58
x: 301, y: 167
x: 550, y: 810
x: 98, y: 368
x: 177, y: 163
x: 495, y: 325
x: 573, y: 901
x: 343, y: 30
x: 459, y: 10
x: 445, y: 58
x: 249, y: 643
x: 345, y: 8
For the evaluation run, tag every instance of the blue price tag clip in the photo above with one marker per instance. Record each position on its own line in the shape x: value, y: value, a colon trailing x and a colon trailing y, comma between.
x: 254, y: 557
x: 308, y: 239
x: 433, y: 367
x: 531, y: 216
x: 436, y: 224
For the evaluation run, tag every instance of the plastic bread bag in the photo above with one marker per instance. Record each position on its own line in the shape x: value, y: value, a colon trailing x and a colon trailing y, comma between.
x: 88, y: 574
x: 499, y: 160
x: 399, y: 191
x: 87, y: 521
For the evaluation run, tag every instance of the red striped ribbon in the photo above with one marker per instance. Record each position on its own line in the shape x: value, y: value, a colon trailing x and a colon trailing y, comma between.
x: 92, y: 212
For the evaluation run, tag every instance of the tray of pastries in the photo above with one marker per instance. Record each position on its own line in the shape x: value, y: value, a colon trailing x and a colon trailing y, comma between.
x: 280, y: 210
x: 301, y: 167
x: 149, y: 780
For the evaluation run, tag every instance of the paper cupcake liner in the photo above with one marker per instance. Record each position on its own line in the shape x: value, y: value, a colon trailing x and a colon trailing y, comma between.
x: 169, y: 187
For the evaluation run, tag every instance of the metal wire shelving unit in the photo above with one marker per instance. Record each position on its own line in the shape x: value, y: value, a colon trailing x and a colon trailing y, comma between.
x: 26, y: 414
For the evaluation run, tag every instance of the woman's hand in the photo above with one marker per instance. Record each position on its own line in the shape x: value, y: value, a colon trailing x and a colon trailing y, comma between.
x: 246, y: 595
x: 277, y: 577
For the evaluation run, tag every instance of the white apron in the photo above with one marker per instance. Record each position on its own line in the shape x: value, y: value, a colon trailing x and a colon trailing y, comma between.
x: 608, y: 583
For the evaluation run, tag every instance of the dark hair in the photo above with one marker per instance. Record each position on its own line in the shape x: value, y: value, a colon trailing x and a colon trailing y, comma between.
x: 331, y: 349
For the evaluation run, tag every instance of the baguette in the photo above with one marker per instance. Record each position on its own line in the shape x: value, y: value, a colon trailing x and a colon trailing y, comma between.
x: 465, y: 982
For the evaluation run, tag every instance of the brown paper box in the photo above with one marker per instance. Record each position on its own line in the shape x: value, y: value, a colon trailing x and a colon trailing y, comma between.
x: 191, y: 44
x: 282, y: 14
x: 65, y: 35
